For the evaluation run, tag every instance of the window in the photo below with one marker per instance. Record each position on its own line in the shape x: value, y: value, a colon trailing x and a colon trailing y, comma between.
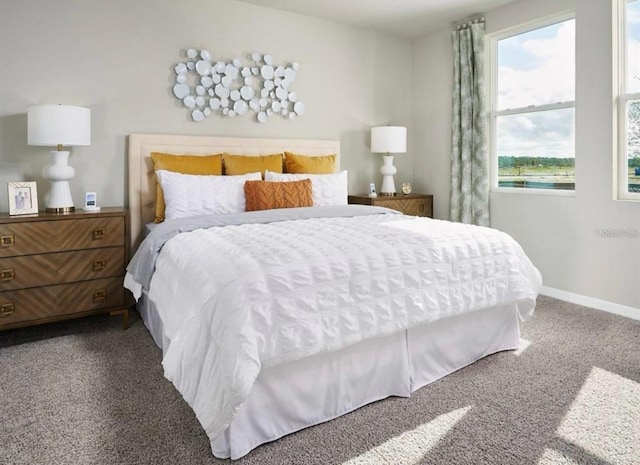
x: 533, y: 106
x: 629, y: 103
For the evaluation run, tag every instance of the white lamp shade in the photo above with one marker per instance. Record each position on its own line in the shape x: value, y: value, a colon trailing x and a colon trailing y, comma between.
x: 389, y: 139
x: 52, y: 125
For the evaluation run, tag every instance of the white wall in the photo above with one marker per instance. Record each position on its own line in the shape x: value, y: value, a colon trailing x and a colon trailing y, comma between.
x: 558, y: 233
x: 433, y: 65
x: 117, y: 57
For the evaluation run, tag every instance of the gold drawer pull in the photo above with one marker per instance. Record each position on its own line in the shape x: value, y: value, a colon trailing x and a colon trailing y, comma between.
x: 7, y: 275
x: 421, y: 207
x: 99, y: 265
x: 100, y: 295
x: 6, y: 310
x: 98, y: 234
x: 7, y: 241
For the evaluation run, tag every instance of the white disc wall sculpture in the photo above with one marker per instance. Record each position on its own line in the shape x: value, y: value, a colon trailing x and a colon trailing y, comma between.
x: 232, y: 89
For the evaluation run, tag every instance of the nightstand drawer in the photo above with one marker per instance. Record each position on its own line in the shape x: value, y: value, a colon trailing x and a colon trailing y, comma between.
x: 414, y: 207
x: 60, y: 235
x: 57, y: 268
x: 50, y: 302
x: 411, y: 204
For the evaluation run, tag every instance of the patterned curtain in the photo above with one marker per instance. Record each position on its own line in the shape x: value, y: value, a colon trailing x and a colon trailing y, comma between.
x: 469, y: 164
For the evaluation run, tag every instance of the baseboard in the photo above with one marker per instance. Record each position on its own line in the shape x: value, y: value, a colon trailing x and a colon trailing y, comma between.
x: 592, y: 302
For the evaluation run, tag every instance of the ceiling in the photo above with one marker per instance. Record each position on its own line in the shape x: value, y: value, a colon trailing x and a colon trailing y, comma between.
x: 405, y: 18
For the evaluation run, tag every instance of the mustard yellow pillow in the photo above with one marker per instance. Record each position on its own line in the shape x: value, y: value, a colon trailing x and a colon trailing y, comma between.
x: 185, y: 164
x: 266, y: 195
x: 243, y: 164
x: 325, y: 164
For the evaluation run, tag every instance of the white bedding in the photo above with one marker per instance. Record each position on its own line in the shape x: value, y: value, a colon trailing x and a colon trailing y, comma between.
x: 236, y: 299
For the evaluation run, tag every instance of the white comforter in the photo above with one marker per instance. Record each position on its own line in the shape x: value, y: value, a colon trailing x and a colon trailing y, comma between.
x: 235, y: 299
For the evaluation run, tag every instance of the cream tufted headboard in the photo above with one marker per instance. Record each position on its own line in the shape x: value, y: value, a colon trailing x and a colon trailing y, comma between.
x: 142, y: 190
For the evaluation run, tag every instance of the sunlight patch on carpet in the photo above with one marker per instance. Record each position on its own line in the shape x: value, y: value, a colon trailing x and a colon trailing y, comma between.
x: 604, y: 419
x: 524, y: 344
x: 553, y: 457
x: 411, y: 446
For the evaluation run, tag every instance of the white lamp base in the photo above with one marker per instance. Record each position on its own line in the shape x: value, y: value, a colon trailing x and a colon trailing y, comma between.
x: 387, y: 170
x: 59, y: 173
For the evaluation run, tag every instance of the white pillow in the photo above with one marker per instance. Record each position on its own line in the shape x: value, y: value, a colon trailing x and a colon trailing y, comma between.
x: 192, y: 195
x: 327, y: 189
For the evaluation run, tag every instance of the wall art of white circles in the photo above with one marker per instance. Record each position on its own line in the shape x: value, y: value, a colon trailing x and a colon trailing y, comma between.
x: 205, y: 86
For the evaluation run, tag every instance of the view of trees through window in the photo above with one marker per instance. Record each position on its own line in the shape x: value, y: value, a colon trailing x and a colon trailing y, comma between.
x: 633, y: 150
x: 533, y: 108
x: 632, y: 94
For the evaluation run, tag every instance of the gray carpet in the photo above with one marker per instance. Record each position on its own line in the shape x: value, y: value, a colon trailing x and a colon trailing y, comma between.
x: 86, y: 392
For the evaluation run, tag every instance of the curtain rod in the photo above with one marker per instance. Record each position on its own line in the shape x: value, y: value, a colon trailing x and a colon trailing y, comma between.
x: 468, y: 22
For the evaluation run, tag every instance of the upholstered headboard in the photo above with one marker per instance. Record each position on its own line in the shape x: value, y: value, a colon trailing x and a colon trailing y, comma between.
x: 142, y: 190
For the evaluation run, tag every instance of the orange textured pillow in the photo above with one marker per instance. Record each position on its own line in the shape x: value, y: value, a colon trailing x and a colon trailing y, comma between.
x: 267, y: 195
x: 325, y: 164
x: 185, y: 164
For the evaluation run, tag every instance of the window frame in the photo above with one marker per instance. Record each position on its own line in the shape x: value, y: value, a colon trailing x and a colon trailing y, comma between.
x: 491, y: 72
x: 622, y: 99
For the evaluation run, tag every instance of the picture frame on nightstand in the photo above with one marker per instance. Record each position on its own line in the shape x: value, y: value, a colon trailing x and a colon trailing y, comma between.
x: 91, y: 202
x: 23, y: 198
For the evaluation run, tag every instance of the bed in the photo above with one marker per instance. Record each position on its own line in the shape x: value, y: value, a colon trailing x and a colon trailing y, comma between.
x: 329, y: 372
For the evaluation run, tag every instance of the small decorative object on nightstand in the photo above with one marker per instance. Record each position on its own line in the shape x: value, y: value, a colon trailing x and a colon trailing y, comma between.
x: 91, y: 202
x: 406, y: 188
x: 56, y: 267
x: 410, y: 204
x: 372, y: 190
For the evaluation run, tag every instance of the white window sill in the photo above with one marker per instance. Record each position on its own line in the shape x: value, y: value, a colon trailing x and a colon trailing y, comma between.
x: 532, y: 191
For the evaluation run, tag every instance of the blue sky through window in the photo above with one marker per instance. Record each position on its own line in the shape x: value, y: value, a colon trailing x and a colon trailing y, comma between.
x: 633, y: 19
x: 513, y: 54
x: 537, y: 68
x: 633, y: 46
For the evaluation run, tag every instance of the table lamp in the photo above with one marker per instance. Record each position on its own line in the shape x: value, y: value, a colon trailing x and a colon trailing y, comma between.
x: 388, y: 140
x: 59, y: 125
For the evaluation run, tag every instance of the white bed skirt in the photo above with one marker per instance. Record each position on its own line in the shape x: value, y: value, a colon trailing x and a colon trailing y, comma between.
x: 293, y: 396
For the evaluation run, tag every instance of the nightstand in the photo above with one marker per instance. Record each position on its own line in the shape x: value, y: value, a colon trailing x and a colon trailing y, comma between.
x: 412, y: 204
x: 57, y: 267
